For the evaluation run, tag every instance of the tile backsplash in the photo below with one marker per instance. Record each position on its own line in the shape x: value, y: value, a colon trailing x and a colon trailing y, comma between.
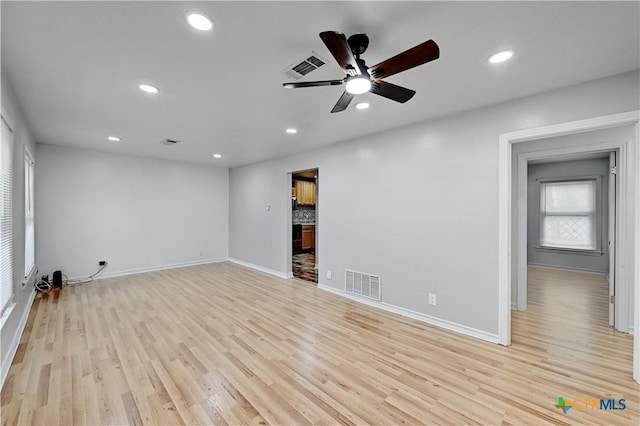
x: 304, y: 214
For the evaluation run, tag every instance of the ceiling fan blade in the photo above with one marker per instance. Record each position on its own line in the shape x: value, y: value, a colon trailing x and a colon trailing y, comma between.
x: 339, y: 48
x: 418, y: 55
x: 391, y: 91
x: 343, y: 102
x: 312, y: 84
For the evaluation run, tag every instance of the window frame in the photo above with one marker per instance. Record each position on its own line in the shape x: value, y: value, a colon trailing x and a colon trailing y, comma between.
x: 6, y: 306
x: 29, y: 215
x: 597, y: 215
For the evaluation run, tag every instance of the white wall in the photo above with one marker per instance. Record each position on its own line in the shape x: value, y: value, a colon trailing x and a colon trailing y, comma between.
x: 135, y: 213
x: 417, y: 205
x: 22, y: 139
x: 557, y: 258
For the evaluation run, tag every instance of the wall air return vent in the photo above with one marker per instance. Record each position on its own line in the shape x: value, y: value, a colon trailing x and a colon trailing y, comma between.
x: 169, y: 142
x: 300, y: 68
x: 362, y: 284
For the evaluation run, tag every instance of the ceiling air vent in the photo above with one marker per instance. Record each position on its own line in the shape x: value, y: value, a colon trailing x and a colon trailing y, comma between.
x: 169, y: 142
x: 300, y: 68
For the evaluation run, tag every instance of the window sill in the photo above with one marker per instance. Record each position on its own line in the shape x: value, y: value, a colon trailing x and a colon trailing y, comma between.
x: 6, y: 314
x: 569, y: 251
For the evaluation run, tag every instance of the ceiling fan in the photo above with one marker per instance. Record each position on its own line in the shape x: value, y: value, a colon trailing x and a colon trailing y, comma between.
x: 360, y: 78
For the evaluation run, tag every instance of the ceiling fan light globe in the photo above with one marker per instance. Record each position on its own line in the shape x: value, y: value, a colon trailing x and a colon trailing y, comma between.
x: 358, y: 85
x: 502, y: 56
x: 199, y: 22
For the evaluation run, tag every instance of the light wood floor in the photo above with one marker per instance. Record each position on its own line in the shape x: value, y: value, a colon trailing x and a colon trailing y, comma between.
x: 221, y: 344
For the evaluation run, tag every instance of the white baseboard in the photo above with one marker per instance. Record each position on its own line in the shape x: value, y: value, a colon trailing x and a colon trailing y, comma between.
x: 13, y: 346
x: 102, y: 276
x: 278, y: 274
x: 448, y: 325
x: 562, y: 268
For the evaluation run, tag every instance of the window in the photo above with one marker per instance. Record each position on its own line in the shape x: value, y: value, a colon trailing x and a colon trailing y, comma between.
x: 6, y: 220
x: 568, y: 214
x: 29, y: 233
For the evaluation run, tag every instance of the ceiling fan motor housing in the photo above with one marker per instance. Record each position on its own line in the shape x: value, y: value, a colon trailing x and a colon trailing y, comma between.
x: 358, y: 44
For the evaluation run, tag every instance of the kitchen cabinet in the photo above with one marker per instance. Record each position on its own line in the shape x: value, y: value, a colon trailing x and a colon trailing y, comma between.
x: 305, y: 193
x: 308, y: 237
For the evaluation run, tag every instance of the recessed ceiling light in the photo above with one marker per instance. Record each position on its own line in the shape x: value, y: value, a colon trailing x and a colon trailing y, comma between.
x: 199, y: 21
x: 363, y: 105
x: 148, y: 88
x: 114, y: 138
x: 501, y: 56
x: 358, y: 85
x: 217, y: 156
x: 292, y: 131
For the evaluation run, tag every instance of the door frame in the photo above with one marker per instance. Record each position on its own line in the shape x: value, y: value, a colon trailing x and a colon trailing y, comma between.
x: 613, y: 209
x: 627, y: 248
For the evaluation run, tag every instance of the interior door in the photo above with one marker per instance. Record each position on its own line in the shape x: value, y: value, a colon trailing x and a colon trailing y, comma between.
x: 612, y: 236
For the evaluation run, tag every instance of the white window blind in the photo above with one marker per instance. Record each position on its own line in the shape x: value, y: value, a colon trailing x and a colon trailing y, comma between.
x: 6, y: 220
x: 568, y: 214
x: 29, y: 228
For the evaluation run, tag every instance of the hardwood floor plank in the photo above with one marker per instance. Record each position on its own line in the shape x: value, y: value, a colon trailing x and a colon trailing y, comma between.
x: 131, y: 408
x: 43, y: 385
x: 27, y: 409
x: 162, y: 413
x: 88, y: 400
x: 222, y: 344
x: 9, y: 413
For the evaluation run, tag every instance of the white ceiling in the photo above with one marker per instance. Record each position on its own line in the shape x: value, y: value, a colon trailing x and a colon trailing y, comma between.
x: 75, y: 67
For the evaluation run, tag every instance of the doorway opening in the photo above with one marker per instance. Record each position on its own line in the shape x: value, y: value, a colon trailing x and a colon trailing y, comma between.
x: 512, y: 272
x: 570, y: 221
x: 567, y: 196
x: 570, y: 213
x: 304, y: 235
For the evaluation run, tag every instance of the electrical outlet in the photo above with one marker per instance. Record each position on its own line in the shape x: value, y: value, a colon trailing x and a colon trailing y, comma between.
x: 201, y: 252
x: 102, y: 262
x: 329, y: 274
x: 432, y: 299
